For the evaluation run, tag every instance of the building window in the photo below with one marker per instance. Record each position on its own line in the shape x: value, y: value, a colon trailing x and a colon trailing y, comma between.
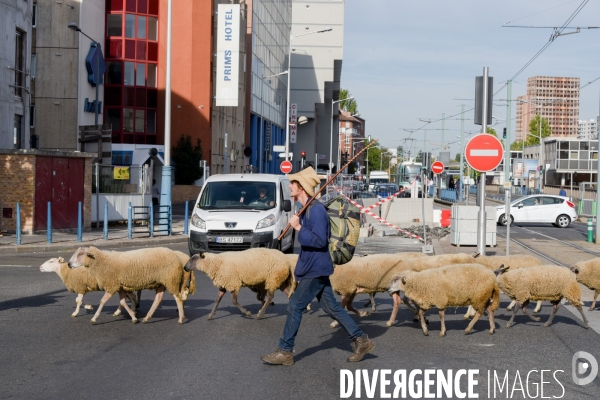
x: 19, y: 63
x: 129, y: 26
x: 34, y: 15
x: 18, y: 131
x: 33, y: 66
x: 114, y: 25
x: 32, y: 116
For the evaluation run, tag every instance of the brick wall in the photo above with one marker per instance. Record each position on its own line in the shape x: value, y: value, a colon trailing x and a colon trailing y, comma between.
x: 182, y: 193
x: 17, y: 178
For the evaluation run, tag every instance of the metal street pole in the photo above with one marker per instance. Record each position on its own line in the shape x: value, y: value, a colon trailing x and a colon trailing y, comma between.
x: 542, y: 164
x: 165, y: 190
x: 597, y: 241
x: 443, y: 128
x: 507, y: 184
x: 481, y: 236
x: 462, y: 150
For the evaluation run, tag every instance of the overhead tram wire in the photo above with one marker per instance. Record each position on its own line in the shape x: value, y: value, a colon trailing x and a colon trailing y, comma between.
x: 540, y: 12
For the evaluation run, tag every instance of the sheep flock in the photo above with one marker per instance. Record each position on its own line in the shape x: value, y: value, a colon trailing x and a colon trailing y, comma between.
x: 419, y: 281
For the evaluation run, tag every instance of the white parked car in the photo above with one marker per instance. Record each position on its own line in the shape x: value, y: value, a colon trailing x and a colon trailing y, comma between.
x: 544, y: 208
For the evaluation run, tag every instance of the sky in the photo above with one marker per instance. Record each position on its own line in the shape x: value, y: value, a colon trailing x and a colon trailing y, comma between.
x: 410, y: 60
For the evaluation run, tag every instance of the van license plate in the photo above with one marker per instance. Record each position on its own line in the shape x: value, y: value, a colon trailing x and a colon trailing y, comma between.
x: 230, y: 240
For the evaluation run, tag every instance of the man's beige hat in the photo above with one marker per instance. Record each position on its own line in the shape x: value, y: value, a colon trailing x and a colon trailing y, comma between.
x: 307, y: 178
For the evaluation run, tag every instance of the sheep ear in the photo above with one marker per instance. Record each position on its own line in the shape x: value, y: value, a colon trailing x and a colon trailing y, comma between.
x: 403, y: 281
x: 504, y: 268
x: 90, y: 255
x: 201, y: 254
x: 575, y: 270
x: 61, y: 260
x: 475, y: 255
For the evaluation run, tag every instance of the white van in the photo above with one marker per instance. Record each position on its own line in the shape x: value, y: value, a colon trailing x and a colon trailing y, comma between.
x: 230, y: 215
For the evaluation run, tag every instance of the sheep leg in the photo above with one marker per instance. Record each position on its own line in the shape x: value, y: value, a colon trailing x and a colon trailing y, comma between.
x: 234, y: 295
x: 491, y: 318
x: 345, y: 300
x: 123, y: 302
x: 515, y: 310
x: 443, y: 328
x: 555, y: 305
x: 78, y: 302
x: 222, y: 292
x: 538, y: 307
x: 423, y: 324
x: 138, y: 299
x: 585, y: 321
x: 265, y: 305
x: 397, y: 302
x: 160, y: 291
x: 511, y: 305
x: 131, y: 296
x: 179, y: 302
x: 405, y: 300
x: 524, y: 308
x: 470, y: 312
x: 371, y: 302
x: 104, y: 299
x: 594, y: 302
x: 350, y: 307
x: 473, y: 321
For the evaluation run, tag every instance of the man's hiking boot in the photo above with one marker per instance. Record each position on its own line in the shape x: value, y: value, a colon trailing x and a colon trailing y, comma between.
x: 361, y: 346
x: 279, y: 357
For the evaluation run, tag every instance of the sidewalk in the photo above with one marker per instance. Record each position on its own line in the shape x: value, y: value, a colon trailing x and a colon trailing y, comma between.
x: 117, y: 237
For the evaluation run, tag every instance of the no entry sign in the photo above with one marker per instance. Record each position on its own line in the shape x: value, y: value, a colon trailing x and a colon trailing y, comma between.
x: 437, y: 167
x: 483, y: 152
x: 286, y: 167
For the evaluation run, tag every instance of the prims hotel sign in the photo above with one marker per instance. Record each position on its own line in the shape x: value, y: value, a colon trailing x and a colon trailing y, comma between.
x: 228, y: 54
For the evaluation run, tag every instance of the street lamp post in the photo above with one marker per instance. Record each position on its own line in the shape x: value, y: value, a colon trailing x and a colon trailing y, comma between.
x: 261, y: 151
x: 289, y: 69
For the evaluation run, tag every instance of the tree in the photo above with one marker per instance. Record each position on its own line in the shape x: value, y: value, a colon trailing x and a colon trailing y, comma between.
x: 457, y: 158
x: 348, y: 105
x: 187, y: 160
x: 534, y: 130
x: 517, y: 145
x: 400, y: 153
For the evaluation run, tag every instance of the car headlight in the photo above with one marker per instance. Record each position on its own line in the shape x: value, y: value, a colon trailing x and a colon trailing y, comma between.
x: 266, y: 222
x: 198, y: 222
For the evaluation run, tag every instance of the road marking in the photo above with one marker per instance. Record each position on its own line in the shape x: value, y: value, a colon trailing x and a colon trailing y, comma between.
x: 482, y: 153
x: 22, y: 266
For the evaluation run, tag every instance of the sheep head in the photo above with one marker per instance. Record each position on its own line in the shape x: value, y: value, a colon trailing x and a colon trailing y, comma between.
x: 575, y: 269
x: 80, y: 257
x: 192, y: 262
x: 501, y: 270
x: 397, y: 284
x: 52, y: 265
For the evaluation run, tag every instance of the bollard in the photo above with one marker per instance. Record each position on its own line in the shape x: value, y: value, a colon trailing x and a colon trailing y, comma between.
x: 185, y: 221
x: 590, y: 237
x: 18, y: 223
x: 49, y: 226
x: 151, y: 227
x: 79, y: 223
x: 105, y: 227
x: 170, y: 218
x: 129, y: 233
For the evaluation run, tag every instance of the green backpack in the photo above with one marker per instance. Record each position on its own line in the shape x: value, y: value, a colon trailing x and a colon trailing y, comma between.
x: 344, y: 221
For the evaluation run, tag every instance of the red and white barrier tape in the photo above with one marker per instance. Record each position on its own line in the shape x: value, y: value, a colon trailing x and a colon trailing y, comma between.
x: 383, y: 221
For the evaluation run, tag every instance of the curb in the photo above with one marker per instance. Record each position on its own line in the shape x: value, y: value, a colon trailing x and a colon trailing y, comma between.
x: 113, y: 243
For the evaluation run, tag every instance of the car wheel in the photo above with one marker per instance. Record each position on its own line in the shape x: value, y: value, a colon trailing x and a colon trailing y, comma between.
x: 502, y: 220
x: 563, y: 221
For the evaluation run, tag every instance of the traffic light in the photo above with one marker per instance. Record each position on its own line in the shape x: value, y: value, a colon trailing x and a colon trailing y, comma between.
x: 504, y: 133
x: 303, y: 154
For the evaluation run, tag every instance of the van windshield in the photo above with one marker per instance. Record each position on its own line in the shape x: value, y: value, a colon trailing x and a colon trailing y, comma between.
x: 238, y: 195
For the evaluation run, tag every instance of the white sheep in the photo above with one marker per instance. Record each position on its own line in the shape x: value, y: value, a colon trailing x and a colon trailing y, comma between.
x: 258, y: 268
x: 543, y: 282
x: 79, y: 281
x: 456, y: 285
x: 151, y: 268
x: 515, y: 262
x: 588, y: 274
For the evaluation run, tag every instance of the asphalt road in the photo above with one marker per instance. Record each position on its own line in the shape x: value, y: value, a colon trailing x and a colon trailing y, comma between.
x: 46, y: 354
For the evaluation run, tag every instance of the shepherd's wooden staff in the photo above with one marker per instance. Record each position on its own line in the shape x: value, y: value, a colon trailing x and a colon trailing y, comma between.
x: 326, y: 183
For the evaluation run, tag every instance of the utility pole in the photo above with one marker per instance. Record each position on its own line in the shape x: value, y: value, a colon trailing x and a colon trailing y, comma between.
x: 462, y: 150
x: 481, y: 234
x: 507, y: 184
x: 443, y: 128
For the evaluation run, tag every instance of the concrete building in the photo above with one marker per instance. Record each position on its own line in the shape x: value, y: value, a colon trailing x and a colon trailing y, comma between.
x: 588, y: 130
x: 16, y: 20
x: 352, y: 136
x: 316, y: 74
x: 543, y: 95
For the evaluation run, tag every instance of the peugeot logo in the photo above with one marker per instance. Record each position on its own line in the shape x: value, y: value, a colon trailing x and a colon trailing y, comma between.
x: 230, y: 224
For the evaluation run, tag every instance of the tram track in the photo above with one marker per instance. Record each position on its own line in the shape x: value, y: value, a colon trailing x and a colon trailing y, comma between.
x: 545, y: 255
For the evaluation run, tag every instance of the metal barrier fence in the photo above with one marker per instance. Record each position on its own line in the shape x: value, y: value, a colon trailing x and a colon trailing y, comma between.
x: 448, y: 195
